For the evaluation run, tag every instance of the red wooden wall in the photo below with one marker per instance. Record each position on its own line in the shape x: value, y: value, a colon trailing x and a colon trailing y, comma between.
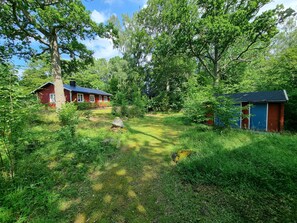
x: 44, y: 93
x: 275, y: 117
x: 245, y: 121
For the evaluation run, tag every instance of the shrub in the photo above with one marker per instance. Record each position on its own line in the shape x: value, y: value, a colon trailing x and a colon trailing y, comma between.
x: 291, y: 111
x: 83, y: 105
x: 17, y: 111
x: 226, y: 112
x: 136, y: 108
x: 203, y: 103
x: 68, y: 117
x: 198, y: 105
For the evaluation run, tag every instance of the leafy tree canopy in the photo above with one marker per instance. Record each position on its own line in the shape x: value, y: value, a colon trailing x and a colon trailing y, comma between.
x: 58, y: 26
x: 218, y: 33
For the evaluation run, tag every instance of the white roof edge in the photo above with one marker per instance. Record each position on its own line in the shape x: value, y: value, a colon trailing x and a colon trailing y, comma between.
x: 66, y: 88
x: 49, y: 82
x: 41, y: 86
x: 46, y: 84
x: 285, y: 92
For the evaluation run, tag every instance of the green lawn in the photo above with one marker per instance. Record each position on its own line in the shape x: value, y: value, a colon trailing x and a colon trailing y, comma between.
x: 128, y: 176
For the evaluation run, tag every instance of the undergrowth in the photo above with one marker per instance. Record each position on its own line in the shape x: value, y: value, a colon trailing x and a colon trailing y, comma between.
x: 255, y: 173
x: 53, y: 171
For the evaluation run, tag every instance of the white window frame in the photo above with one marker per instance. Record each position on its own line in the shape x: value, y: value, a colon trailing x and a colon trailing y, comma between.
x: 78, y: 97
x: 52, y: 98
x: 92, y: 96
x: 105, y: 99
x: 100, y: 98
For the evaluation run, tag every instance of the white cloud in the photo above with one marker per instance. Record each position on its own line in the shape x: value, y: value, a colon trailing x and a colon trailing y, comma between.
x: 98, y: 17
x: 111, y: 2
x: 20, y: 73
x: 287, y: 4
x: 141, y: 3
x: 102, y: 47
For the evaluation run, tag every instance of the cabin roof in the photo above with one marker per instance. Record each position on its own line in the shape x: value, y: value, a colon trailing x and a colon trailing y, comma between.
x: 76, y: 89
x: 260, y: 96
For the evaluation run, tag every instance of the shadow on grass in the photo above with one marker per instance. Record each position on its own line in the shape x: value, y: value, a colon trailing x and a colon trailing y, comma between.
x: 253, y: 174
x: 52, y: 173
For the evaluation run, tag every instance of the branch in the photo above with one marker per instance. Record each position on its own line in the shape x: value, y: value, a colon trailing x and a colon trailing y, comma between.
x: 32, y: 21
x: 243, y: 52
x: 42, y: 52
x: 24, y: 26
x: 197, y: 54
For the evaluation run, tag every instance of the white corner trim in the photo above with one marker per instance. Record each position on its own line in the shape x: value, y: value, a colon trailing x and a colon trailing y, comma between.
x: 285, y: 92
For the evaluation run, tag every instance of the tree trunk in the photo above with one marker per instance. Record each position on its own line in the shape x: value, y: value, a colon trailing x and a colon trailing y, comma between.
x: 56, y: 72
x: 216, y: 73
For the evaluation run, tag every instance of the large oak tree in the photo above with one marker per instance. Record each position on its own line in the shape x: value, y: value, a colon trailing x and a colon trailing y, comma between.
x: 218, y: 33
x: 57, y: 25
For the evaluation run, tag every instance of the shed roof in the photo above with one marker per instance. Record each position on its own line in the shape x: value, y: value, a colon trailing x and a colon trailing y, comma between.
x: 76, y: 89
x: 260, y: 96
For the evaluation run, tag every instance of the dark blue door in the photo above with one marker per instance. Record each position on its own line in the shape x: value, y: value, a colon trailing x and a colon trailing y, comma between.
x: 235, y: 120
x: 258, y: 117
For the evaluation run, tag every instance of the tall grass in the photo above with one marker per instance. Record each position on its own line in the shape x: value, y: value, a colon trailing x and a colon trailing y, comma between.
x: 254, y: 172
x: 52, y: 177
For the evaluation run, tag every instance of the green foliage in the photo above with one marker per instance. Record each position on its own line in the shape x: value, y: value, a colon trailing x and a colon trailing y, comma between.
x: 291, y: 111
x: 46, y: 22
x: 37, y: 73
x: 47, y: 177
x: 203, y: 104
x: 226, y: 112
x: 247, y: 168
x: 218, y: 34
x: 136, y: 108
x: 198, y: 104
x: 68, y: 117
x: 83, y: 105
x: 17, y: 110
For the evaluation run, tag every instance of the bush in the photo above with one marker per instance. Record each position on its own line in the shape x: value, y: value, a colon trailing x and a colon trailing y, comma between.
x: 136, y: 108
x: 203, y: 103
x: 291, y: 111
x: 199, y: 104
x: 226, y: 112
x: 68, y: 117
x: 83, y: 105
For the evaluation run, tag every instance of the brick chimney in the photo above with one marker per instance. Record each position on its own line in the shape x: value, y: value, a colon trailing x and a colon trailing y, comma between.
x: 73, y: 83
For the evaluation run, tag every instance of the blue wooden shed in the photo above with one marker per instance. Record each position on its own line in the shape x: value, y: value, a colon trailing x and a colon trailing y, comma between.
x: 265, y: 110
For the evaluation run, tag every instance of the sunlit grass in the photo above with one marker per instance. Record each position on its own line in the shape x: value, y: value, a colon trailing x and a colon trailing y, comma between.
x: 128, y: 176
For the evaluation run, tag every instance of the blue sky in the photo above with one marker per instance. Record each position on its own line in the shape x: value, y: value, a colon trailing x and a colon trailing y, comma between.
x: 101, y: 10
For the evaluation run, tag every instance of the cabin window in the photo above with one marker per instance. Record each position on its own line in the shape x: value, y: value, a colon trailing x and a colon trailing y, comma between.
x: 92, y: 98
x: 105, y: 99
x: 100, y: 98
x: 80, y: 97
x: 52, y: 98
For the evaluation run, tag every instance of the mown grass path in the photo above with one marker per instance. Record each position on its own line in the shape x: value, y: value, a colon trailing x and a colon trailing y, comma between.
x: 127, y: 189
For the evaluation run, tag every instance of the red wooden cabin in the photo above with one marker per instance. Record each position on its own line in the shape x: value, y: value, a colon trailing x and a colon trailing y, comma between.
x: 72, y: 92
